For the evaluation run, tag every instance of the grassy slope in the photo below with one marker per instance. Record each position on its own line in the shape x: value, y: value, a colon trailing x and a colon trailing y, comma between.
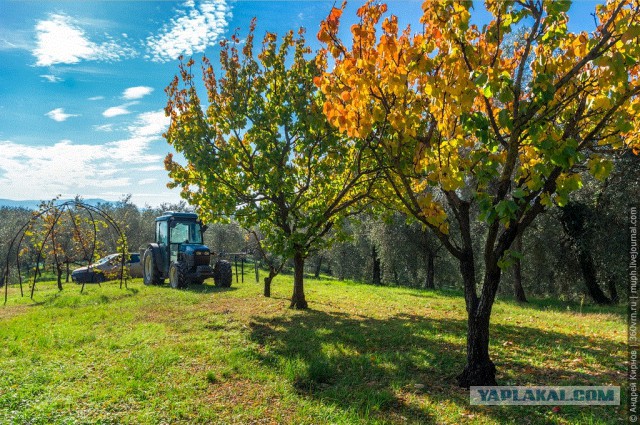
x: 362, y: 354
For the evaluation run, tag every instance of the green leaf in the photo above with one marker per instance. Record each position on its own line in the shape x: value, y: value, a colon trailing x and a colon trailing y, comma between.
x: 487, y: 91
x: 481, y: 80
x: 519, y: 193
x: 558, y: 6
x: 504, y: 119
x: 600, y: 168
x: 505, y: 95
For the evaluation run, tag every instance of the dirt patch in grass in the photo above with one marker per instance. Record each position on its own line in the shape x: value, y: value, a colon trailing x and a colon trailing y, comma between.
x: 7, y: 312
x: 243, y: 401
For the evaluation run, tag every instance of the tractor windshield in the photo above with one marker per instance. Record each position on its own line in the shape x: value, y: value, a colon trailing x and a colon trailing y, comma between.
x: 186, y: 232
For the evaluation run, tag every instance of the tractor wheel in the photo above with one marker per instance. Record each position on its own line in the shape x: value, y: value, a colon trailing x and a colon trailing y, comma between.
x: 222, y: 274
x: 178, y: 275
x: 150, y: 273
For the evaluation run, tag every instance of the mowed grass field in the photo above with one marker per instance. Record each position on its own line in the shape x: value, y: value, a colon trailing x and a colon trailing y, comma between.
x: 360, y: 355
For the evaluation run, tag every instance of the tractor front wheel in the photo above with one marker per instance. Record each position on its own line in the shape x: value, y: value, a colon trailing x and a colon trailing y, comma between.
x: 222, y: 274
x: 178, y: 275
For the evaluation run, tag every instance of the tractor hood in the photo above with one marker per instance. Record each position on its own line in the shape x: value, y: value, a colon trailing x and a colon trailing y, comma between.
x: 194, y: 249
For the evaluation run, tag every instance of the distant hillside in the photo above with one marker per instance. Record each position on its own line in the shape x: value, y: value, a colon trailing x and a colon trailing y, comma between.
x: 33, y: 205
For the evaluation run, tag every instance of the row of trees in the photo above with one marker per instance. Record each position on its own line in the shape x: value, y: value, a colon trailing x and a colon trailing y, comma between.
x: 393, y: 250
x: 447, y: 125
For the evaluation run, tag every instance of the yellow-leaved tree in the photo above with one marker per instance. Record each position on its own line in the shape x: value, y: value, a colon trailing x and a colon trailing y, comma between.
x: 470, y: 125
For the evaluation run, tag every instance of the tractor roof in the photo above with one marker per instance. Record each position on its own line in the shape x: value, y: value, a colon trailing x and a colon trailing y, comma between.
x: 167, y: 215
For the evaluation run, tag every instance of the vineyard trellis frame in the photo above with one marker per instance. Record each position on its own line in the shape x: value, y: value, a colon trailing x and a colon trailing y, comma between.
x: 71, y: 208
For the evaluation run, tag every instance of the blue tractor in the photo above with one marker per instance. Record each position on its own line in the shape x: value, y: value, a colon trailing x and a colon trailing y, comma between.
x: 180, y: 255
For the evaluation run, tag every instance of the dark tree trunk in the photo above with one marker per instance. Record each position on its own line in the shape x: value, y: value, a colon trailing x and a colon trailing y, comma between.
x: 575, y: 216
x: 479, y: 369
x: 59, y: 273
x: 268, y: 279
x: 377, y: 269
x: 613, y: 291
x: 298, y: 300
x: 318, y: 267
x: 518, y: 290
x: 267, y: 286
x: 431, y: 271
x: 588, y: 269
x: 68, y: 273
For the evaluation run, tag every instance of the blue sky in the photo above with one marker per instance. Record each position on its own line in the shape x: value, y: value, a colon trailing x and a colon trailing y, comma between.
x: 82, y: 85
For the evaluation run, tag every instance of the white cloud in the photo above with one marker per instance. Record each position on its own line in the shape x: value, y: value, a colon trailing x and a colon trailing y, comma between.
x: 136, y: 92
x: 103, y: 127
x: 59, y: 115
x: 13, y: 38
x: 52, y: 78
x: 41, y: 172
x: 151, y: 168
x: 195, y: 29
x: 64, y: 167
x: 7, y: 45
x: 60, y: 39
x: 115, y: 111
x: 150, y: 124
x: 96, y: 98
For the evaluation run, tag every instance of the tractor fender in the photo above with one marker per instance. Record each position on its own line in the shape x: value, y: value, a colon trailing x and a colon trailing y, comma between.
x: 158, y: 259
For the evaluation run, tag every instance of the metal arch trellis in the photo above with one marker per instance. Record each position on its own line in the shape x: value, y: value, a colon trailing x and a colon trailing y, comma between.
x: 59, y: 210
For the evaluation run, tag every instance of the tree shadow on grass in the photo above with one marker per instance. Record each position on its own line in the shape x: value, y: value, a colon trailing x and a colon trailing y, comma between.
x: 587, y: 308
x: 541, y: 304
x: 207, y: 289
x: 387, y: 369
x: 88, y: 297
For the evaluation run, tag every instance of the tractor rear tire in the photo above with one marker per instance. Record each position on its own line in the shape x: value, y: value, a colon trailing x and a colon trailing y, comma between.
x: 150, y: 273
x: 222, y: 274
x: 178, y: 275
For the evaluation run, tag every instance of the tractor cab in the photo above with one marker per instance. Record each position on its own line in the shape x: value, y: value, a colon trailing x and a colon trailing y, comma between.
x: 180, y: 233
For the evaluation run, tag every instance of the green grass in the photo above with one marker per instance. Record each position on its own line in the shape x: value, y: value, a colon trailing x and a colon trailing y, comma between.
x: 361, y: 354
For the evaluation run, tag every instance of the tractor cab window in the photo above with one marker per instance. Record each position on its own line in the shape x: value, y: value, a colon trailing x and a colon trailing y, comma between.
x: 161, y: 232
x: 185, y: 232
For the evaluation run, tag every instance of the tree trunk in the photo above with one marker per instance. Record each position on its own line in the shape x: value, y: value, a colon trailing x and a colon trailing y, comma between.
x: 59, y: 273
x: 430, y: 282
x: 518, y: 290
x: 377, y: 269
x: 574, y: 217
x: 267, y: 286
x: 613, y: 292
x: 68, y: 273
x: 297, y: 299
x: 318, y: 267
x: 479, y: 369
x: 273, y: 272
x: 588, y: 269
